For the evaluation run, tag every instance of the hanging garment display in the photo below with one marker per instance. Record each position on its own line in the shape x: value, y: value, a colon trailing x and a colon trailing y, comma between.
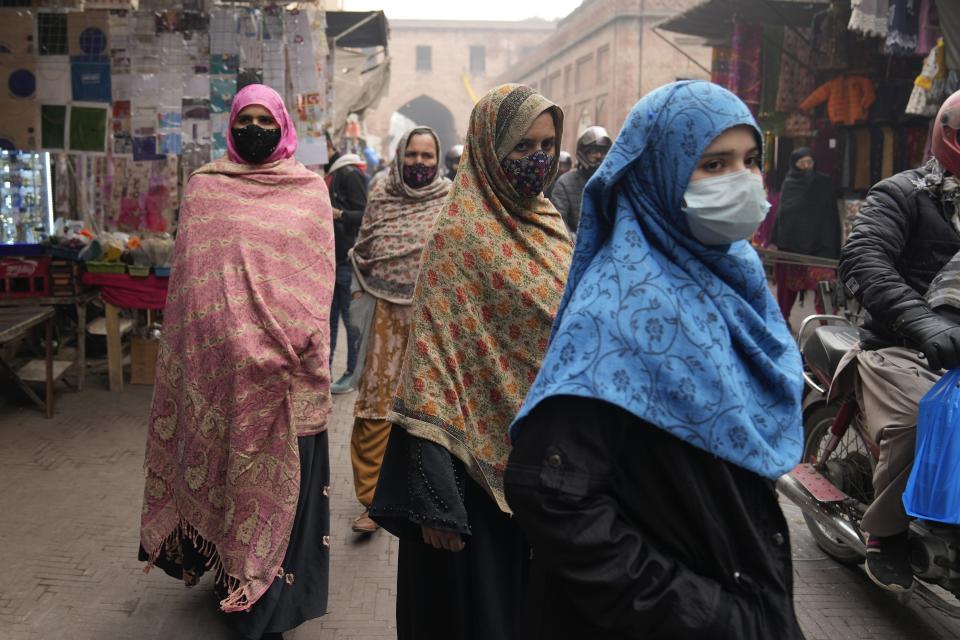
x: 770, y: 67
x: 949, y: 12
x: 720, y: 66
x: 929, y: 27
x: 903, y: 27
x: 796, y: 78
x: 745, y: 62
x: 861, y: 159
x: 928, y: 88
x: 828, y: 46
x: 848, y: 98
x: 869, y: 17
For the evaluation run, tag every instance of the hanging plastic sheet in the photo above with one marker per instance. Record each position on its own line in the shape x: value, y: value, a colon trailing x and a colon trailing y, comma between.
x: 87, y: 128
x: 53, y: 80
x: 90, y: 78
x: 144, y: 195
x: 88, y: 33
x: 16, y: 31
x: 18, y: 77
x: 19, y: 126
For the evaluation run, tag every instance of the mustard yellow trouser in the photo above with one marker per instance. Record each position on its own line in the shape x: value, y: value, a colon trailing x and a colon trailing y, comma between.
x: 367, y: 447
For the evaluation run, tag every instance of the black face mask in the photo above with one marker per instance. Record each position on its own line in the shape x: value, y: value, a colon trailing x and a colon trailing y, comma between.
x: 254, y: 143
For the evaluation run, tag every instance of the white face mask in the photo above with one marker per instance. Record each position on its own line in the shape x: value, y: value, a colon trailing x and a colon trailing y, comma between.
x: 726, y: 208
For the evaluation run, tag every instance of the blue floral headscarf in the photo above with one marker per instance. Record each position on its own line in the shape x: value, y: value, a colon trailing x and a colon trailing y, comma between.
x: 687, y: 337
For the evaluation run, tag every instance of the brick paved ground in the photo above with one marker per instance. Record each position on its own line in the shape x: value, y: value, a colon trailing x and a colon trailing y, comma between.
x: 69, y: 518
x: 69, y: 513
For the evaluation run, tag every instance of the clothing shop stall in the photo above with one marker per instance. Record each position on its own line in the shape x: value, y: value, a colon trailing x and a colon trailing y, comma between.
x: 106, y: 108
x: 857, y: 82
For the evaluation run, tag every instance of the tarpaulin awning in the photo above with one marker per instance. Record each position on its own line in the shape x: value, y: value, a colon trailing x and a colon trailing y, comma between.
x: 713, y: 19
x: 357, y: 29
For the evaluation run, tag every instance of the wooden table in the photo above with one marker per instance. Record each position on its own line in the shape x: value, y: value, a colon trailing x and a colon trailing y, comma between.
x: 15, y: 322
x: 122, y: 291
x: 80, y: 302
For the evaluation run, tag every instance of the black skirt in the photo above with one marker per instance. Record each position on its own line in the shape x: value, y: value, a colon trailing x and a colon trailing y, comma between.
x: 284, y: 605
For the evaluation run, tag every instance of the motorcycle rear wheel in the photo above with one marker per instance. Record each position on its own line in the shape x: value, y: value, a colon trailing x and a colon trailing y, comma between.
x: 855, y: 468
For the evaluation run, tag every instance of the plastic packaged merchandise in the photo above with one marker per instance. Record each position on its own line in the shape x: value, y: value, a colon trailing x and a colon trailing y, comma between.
x: 933, y: 490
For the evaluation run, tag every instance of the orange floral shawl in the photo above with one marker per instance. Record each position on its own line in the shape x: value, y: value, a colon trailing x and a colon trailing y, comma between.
x: 489, y: 286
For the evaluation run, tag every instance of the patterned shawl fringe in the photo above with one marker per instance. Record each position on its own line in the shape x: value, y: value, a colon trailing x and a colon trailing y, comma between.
x: 239, y: 594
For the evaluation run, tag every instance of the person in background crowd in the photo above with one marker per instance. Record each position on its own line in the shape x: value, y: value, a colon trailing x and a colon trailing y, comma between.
x: 348, y: 194
x: 905, y: 235
x: 764, y: 235
x: 564, y: 164
x: 243, y: 379
x: 452, y: 160
x: 386, y: 258
x: 807, y: 223
x: 380, y: 174
x: 490, y: 281
x: 372, y: 160
x: 669, y: 398
x: 592, y: 147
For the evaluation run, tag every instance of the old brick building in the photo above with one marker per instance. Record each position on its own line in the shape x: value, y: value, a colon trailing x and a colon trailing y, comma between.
x: 439, y: 67
x: 604, y: 57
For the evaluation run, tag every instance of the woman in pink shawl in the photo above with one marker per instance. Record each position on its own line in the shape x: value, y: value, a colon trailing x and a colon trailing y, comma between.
x: 237, y: 460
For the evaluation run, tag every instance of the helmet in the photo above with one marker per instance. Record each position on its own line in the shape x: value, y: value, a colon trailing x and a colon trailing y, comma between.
x: 565, y: 158
x: 946, y: 148
x: 452, y: 159
x: 592, y: 137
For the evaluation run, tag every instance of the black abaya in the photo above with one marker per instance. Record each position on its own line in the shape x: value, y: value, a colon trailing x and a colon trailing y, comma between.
x: 473, y: 594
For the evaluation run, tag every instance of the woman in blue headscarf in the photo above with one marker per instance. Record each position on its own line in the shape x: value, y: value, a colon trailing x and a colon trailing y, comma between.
x: 645, y: 454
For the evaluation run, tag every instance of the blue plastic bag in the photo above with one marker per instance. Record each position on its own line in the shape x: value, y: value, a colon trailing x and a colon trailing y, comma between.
x: 933, y: 490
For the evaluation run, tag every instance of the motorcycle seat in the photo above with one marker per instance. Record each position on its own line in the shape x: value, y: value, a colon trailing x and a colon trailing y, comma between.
x: 827, y: 345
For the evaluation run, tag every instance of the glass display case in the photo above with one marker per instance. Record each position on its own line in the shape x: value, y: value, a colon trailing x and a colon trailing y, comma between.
x: 26, y: 197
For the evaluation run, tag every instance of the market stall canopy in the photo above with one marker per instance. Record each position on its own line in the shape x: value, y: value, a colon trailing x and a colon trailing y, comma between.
x: 358, y: 29
x: 713, y: 19
x: 361, y: 61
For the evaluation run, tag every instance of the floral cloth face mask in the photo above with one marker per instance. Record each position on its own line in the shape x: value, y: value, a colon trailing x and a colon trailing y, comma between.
x: 419, y: 175
x: 529, y: 175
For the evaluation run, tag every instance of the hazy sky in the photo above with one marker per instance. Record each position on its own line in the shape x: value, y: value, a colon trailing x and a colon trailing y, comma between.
x: 463, y: 10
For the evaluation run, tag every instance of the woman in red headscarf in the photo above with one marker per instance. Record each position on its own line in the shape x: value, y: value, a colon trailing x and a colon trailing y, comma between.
x: 237, y: 459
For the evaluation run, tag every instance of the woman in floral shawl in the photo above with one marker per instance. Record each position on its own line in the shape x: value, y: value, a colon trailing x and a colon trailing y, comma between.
x: 400, y: 214
x: 237, y: 460
x: 489, y: 285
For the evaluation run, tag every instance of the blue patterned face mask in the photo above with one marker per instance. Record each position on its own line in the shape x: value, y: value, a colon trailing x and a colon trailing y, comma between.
x: 726, y: 208
x: 529, y: 175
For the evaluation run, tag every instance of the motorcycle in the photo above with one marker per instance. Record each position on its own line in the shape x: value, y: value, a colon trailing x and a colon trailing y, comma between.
x: 833, y: 484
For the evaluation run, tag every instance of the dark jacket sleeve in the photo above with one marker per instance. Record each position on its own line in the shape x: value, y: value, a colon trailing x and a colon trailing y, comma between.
x: 354, y: 200
x: 868, y: 262
x: 561, y: 485
x: 420, y: 484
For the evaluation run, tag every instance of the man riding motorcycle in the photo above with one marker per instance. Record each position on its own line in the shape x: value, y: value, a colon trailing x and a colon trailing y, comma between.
x: 907, y: 231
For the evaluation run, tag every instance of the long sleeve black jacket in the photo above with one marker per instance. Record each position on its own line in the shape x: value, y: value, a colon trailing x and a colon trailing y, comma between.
x: 348, y: 192
x: 637, y: 534
x: 900, y: 240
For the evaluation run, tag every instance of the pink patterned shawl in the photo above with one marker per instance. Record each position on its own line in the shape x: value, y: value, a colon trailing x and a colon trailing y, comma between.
x: 243, y: 369
x: 396, y: 226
